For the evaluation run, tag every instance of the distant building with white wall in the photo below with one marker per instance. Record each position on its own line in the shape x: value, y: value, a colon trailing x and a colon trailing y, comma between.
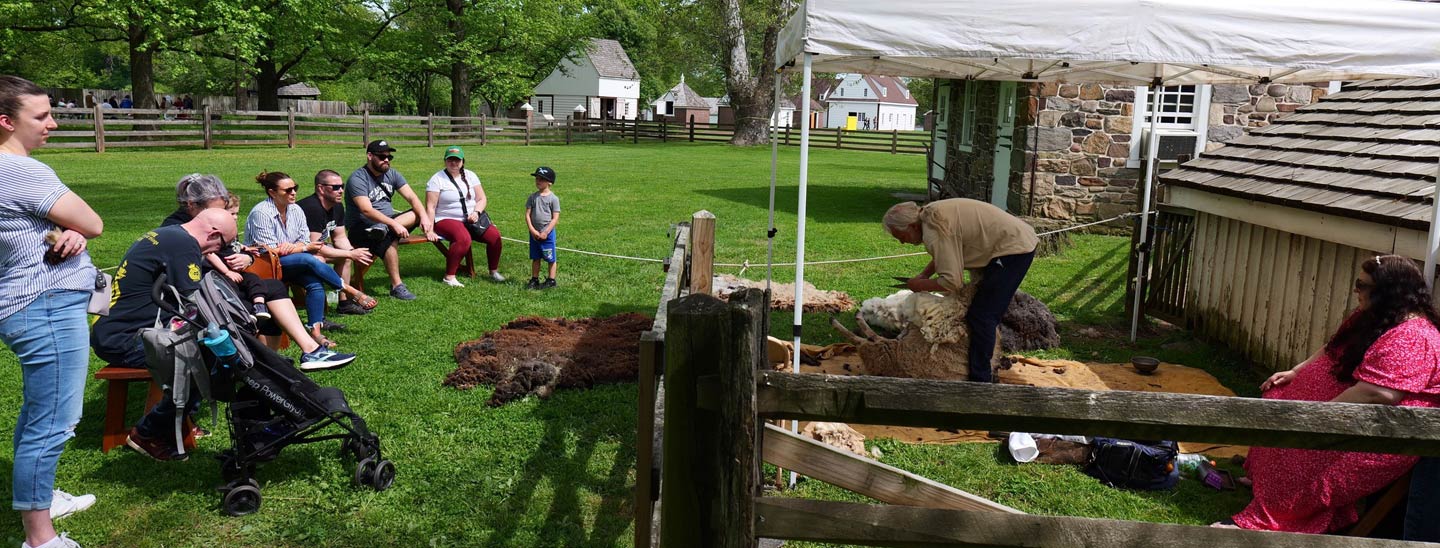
x: 599, y: 78
x: 862, y: 101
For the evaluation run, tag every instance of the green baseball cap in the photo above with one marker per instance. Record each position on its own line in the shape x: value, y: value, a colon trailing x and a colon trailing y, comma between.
x: 454, y: 152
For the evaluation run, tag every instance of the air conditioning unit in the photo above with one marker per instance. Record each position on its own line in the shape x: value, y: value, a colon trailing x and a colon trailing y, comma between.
x: 1173, y: 143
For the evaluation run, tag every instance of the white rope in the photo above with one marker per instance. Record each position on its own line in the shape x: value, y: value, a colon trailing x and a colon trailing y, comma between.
x: 747, y: 264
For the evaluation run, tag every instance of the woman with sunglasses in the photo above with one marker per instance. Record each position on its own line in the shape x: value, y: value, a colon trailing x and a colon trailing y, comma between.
x: 1386, y: 352
x: 279, y: 224
x: 46, y: 277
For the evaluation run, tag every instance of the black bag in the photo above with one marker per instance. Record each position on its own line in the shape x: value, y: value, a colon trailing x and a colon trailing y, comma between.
x: 482, y: 222
x: 1129, y: 464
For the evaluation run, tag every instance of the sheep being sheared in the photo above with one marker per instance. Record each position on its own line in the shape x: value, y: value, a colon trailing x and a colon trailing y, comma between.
x: 934, y: 340
x: 1028, y: 323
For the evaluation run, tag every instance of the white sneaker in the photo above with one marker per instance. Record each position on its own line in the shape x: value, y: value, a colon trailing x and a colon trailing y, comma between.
x: 452, y: 282
x: 497, y: 277
x: 63, y: 504
x: 61, y: 540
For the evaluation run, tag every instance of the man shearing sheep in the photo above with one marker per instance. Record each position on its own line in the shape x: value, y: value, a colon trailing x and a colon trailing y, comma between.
x: 962, y: 234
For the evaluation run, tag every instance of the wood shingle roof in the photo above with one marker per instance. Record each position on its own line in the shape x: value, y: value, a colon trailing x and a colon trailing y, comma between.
x: 1369, y: 152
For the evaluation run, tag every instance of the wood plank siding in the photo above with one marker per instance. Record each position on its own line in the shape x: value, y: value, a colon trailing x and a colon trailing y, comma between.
x: 1274, y: 296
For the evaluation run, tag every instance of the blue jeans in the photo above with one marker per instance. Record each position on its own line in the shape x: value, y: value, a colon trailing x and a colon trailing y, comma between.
x: 312, y: 273
x: 998, y: 285
x: 51, y: 339
x: 1422, y: 513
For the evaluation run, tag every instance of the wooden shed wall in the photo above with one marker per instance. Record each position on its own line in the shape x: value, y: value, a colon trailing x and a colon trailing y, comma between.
x: 1274, y: 296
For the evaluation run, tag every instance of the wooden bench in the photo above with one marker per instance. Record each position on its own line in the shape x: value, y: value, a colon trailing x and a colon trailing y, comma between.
x: 467, y: 264
x: 117, y: 396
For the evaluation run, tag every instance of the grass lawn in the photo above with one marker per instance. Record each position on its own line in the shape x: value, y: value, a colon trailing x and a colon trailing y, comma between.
x: 556, y: 472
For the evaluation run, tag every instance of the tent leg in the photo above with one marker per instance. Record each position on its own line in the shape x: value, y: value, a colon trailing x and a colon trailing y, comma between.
x: 800, y: 225
x: 1152, y: 147
x: 774, y: 169
x: 1433, y: 242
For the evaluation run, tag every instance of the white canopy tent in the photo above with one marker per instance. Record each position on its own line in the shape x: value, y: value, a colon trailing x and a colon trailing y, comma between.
x: 1134, y: 42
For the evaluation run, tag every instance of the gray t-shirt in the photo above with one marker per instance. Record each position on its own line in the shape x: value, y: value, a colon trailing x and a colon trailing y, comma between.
x: 378, y: 189
x: 28, y: 189
x: 542, y: 209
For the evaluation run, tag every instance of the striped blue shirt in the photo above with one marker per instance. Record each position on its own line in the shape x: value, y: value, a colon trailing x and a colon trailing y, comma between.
x: 28, y: 189
x: 264, y: 226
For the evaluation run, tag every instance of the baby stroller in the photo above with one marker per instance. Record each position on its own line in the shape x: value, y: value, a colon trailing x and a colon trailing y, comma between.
x: 271, y: 403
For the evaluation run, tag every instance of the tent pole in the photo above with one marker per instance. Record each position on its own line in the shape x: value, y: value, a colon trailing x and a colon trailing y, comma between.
x: 800, y: 226
x: 774, y: 168
x: 1152, y: 147
x: 1434, y: 240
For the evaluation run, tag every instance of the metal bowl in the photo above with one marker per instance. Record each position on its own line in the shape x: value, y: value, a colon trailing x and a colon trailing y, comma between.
x: 1145, y: 364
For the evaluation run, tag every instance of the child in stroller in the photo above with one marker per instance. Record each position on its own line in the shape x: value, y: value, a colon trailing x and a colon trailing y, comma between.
x: 272, y: 404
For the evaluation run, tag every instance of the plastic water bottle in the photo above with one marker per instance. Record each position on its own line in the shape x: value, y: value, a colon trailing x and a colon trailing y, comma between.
x: 219, y: 342
x: 1191, y: 464
x: 332, y: 297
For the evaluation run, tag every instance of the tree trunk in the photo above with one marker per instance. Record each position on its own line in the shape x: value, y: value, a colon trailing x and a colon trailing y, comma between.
x: 142, y: 67
x: 267, y: 83
x: 751, y: 91
x: 459, y: 70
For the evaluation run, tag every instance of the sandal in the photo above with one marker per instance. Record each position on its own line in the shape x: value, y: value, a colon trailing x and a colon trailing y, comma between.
x: 365, y: 301
x: 321, y: 339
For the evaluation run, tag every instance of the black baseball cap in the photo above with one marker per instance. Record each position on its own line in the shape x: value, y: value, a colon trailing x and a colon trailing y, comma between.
x: 544, y: 173
x: 379, y: 147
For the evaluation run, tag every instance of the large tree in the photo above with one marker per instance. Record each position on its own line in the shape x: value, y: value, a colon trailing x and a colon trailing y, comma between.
x: 747, y: 42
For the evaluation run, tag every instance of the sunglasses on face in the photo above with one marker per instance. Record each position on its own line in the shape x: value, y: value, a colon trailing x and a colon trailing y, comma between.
x: 287, y: 190
x: 384, y: 157
x: 334, y: 187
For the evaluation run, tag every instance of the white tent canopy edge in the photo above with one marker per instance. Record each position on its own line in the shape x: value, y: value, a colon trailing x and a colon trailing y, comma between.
x: 1154, y: 42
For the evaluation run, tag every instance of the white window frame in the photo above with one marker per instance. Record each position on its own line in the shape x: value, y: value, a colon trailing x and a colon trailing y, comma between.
x: 967, y: 118
x: 1199, y: 121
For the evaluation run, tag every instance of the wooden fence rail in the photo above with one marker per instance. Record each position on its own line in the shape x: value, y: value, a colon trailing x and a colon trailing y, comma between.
x: 651, y: 397
x: 99, y: 128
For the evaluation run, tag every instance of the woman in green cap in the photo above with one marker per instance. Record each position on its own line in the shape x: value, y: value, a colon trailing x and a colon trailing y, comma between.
x: 457, y: 203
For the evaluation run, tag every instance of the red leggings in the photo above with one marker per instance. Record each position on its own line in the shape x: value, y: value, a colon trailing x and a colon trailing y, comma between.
x: 459, y: 238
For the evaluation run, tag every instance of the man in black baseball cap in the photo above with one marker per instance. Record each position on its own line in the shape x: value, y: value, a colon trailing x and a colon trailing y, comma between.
x: 371, y: 220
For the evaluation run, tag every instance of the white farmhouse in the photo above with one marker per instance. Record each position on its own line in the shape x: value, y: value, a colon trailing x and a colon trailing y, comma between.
x: 601, y: 79
x: 862, y: 101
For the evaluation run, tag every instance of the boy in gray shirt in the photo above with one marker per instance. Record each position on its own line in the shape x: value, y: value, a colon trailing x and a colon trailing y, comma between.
x: 542, y: 213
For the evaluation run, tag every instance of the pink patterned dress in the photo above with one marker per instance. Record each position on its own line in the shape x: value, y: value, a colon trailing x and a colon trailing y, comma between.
x: 1315, y: 491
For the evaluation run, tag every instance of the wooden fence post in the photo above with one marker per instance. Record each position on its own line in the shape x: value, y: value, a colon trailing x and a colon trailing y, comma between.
x: 430, y: 130
x: 692, y: 129
x: 702, y: 252
x: 664, y: 131
x: 711, y: 465
x: 787, y: 136
x: 894, y: 140
x: 635, y: 131
x: 206, y: 128
x: 290, y: 126
x: 569, y: 123
x: 527, y: 131
x: 602, y: 131
x: 99, y: 129
x: 839, y: 131
x: 365, y: 126
x: 482, y: 129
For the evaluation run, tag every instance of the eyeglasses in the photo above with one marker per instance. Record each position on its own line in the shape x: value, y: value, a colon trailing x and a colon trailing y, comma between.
x: 385, y: 157
x: 334, y: 187
x: 287, y: 190
x: 1362, y: 285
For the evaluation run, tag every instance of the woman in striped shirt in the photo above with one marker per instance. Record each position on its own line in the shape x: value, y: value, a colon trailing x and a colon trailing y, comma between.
x: 46, y: 278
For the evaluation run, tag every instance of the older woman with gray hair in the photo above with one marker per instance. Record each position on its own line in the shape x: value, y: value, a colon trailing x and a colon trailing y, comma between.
x: 962, y: 234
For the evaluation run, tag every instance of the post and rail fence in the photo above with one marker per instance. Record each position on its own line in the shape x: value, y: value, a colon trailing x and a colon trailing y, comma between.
x: 101, y: 128
x: 706, y: 392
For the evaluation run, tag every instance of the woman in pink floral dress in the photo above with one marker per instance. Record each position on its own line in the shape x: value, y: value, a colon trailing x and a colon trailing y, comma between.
x: 1387, y: 352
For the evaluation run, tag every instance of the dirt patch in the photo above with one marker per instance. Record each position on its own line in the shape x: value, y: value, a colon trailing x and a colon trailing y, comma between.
x: 540, y: 355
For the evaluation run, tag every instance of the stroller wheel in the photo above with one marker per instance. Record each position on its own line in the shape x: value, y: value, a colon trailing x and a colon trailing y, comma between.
x: 384, y: 475
x: 242, y: 501
x: 364, y: 471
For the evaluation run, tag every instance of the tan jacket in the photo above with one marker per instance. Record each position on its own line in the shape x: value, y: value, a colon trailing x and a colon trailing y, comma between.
x: 965, y: 234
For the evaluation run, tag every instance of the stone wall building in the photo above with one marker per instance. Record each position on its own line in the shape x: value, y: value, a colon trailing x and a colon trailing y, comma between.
x: 1073, y: 151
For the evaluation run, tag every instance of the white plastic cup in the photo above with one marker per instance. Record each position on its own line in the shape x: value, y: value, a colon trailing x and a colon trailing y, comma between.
x: 1022, y: 447
x: 332, y: 298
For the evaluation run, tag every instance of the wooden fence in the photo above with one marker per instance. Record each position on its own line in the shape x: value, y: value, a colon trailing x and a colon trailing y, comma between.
x: 717, y: 391
x: 101, y: 128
